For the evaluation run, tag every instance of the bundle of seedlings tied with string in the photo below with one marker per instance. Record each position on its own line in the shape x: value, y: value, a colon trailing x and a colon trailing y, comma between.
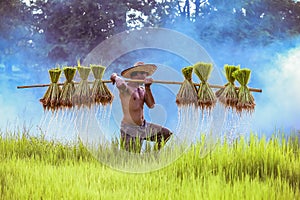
x: 82, y: 96
x: 68, y: 89
x: 100, y: 93
x: 187, y: 94
x: 245, y: 99
x: 206, y: 97
x: 228, y: 95
x: 50, y: 100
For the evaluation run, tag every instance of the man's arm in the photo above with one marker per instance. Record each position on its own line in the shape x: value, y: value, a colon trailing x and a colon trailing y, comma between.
x: 149, y: 99
x: 120, y: 83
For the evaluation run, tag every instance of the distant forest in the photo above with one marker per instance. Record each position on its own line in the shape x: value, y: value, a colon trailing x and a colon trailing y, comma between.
x: 66, y: 30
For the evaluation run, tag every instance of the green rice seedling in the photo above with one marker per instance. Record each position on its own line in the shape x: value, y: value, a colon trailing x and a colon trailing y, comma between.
x: 187, y: 94
x: 100, y: 93
x: 228, y: 95
x: 50, y: 100
x: 206, y: 97
x: 245, y: 99
x: 82, y: 96
x: 35, y: 168
x: 68, y: 88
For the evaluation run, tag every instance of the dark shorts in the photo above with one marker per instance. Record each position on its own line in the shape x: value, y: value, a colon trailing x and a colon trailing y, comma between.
x: 132, y: 136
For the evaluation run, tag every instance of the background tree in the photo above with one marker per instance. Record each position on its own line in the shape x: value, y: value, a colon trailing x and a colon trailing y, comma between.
x: 14, y: 19
x: 52, y: 32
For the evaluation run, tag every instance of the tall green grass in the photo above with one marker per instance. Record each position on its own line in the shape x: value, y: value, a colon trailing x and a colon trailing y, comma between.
x: 34, y: 168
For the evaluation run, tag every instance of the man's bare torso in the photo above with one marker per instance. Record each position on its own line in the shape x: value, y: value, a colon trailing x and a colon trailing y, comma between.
x: 132, y: 100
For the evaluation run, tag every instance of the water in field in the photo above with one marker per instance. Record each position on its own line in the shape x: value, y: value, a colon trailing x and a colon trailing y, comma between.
x: 58, y: 125
x: 236, y: 125
x: 103, y: 115
x: 73, y: 124
x: 92, y: 125
x: 187, y: 126
x: 197, y: 125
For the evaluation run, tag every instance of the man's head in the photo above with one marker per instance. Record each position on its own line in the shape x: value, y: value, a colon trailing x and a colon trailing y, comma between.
x: 139, y: 70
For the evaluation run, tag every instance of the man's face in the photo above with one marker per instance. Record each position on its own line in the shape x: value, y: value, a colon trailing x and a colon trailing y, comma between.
x: 140, y: 75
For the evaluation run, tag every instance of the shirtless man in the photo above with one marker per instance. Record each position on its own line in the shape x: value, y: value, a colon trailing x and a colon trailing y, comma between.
x: 134, y: 128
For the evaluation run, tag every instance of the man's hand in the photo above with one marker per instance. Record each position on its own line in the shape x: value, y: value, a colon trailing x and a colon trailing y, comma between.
x: 118, y: 81
x: 148, y: 82
x: 113, y: 78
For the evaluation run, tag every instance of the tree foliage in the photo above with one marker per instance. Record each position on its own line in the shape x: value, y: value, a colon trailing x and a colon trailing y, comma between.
x: 60, y: 30
x: 255, y: 21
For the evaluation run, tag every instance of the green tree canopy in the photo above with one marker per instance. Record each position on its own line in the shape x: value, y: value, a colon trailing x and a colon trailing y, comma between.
x: 64, y: 31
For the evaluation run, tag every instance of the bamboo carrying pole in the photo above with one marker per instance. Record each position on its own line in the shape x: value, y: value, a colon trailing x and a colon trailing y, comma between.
x: 139, y: 81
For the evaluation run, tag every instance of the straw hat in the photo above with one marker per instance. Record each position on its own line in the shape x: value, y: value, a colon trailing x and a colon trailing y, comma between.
x: 139, y: 67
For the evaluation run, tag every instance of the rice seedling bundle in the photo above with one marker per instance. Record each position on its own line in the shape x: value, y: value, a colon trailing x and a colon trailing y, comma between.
x: 228, y: 95
x: 82, y: 96
x: 245, y: 99
x: 100, y: 93
x: 68, y: 88
x: 50, y: 100
x: 187, y: 94
x: 206, y: 97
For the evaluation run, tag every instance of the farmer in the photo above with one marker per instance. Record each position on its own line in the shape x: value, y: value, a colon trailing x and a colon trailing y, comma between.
x: 134, y: 128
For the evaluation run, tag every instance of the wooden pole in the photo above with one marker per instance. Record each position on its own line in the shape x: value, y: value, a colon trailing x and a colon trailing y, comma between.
x: 139, y: 81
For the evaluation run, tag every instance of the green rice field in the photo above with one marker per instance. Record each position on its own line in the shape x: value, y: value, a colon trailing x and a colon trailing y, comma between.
x: 34, y: 168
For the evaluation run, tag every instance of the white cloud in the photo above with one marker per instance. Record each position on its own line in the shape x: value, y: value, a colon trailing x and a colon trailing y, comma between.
x: 279, y: 106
